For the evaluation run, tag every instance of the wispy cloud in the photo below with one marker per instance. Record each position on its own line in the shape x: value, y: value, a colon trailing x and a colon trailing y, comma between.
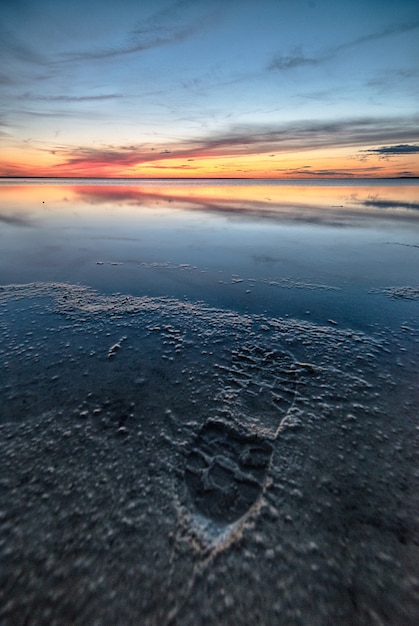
x: 247, y: 140
x: 6, y: 80
x: 167, y: 26
x: 3, y: 126
x: 291, y: 61
x: 392, y: 29
x: 89, y: 158
x: 406, y: 173
x: 58, y: 114
x: 68, y: 98
x: 298, y: 59
x: 12, y: 48
x: 308, y: 135
x: 309, y: 172
x: 141, y: 45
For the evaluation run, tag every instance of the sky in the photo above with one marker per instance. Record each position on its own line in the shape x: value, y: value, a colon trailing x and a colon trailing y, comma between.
x: 209, y: 88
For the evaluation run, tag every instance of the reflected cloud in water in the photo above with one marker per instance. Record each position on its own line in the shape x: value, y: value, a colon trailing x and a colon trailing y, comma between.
x: 323, y: 204
x: 16, y: 220
x: 391, y: 204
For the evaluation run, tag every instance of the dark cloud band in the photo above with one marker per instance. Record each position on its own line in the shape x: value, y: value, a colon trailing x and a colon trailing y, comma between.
x: 399, y: 149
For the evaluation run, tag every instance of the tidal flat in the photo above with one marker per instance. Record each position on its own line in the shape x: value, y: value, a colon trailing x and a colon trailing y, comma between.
x: 209, y: 397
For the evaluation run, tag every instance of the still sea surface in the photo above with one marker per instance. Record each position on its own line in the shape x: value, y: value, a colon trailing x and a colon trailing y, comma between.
x: 208, y: 402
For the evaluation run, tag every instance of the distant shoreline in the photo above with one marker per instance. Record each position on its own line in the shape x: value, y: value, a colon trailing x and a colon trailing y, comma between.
x: 206, y: 178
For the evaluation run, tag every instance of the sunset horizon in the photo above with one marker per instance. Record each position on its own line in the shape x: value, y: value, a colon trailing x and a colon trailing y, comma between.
x: 384, y: 162
x: 272, y: 178
x: 193, y: 89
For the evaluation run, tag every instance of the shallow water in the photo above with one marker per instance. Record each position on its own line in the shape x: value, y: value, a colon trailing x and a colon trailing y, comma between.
x: 209, y: 397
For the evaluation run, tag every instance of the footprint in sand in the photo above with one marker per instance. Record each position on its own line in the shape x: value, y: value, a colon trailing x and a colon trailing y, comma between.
x: 227, y: 466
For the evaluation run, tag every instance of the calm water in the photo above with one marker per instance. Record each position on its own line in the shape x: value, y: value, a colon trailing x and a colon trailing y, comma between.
x: 208, y: 396
x: 284, y: 248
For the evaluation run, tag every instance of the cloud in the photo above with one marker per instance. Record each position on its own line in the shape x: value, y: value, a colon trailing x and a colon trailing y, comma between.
x: 83, y: 156
x: 320, y: 173
x: 3, y: 124
x: 307, y: 135
x: 393, y: 29
x: 142, y: 44
x: 86, y: 161
x: 58, y: 113
x: 298, y: 59
x: 167, y: 26
x: 247, y: 140
x: 65, y: 98
x: 7, y: 81
x: 309, y: 172
x: 292, y: 61
x: 406, y: 174
x: 391, y: 150
x: 11, y: 48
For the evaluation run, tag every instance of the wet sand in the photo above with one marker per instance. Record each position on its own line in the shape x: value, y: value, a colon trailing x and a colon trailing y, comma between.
x: 166, y: 462
x: 208, y: 403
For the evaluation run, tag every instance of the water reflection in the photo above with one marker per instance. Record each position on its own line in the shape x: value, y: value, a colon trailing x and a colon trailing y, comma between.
x: 248, y: 245
x: 300, y: 203
x: 323, y: 202
x: 16, y: 220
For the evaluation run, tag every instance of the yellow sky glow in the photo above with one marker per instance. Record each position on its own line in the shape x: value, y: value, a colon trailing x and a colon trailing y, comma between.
x: 330, y: 163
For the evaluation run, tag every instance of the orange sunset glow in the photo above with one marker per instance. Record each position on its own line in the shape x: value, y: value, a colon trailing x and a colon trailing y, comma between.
x: 330, y: 163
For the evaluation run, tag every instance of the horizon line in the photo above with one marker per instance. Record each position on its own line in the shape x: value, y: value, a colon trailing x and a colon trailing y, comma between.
x: 299, y: 178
